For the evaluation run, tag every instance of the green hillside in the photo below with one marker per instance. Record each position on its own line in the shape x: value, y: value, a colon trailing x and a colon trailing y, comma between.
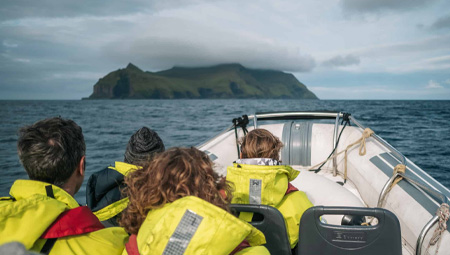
x: 222, y: 81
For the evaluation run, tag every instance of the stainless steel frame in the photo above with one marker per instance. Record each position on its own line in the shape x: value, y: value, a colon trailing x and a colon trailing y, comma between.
x: 335, y: 137
x: 292, y: 115
x: 423, y: 233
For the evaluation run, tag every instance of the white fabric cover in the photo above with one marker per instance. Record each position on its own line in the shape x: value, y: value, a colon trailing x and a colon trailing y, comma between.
x: 322, y: 191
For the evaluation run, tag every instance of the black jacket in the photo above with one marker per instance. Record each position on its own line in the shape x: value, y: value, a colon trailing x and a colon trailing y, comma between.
x: 104, y: 188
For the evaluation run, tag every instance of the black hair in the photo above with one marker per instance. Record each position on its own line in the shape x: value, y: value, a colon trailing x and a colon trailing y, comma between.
x: 51, y: 149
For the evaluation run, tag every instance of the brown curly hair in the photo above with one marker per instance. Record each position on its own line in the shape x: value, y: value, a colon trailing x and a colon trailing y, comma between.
x: 260, y: 143
x: 173, y: 174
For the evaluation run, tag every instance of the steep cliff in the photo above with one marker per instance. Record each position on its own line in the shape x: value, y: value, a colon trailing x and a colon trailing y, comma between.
x: 222, y: 81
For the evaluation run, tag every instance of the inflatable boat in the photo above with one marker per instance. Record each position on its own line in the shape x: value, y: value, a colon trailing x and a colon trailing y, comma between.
x: 343, y: 165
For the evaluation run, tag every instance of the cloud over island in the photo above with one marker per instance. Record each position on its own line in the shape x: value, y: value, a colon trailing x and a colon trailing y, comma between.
x: 58, y: 49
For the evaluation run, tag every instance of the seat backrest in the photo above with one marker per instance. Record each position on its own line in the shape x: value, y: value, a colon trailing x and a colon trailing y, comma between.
x: 272, y: 225
x: 317, y: 237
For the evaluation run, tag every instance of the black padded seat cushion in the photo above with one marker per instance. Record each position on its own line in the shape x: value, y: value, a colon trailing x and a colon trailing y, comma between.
x: 271, y: 223
x: 317, y: 237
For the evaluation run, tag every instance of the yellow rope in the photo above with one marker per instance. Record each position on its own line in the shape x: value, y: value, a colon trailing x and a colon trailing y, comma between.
x: 398, y: 169
x: 444, y: 213
x: 362, y: 150
x: 362, y: 147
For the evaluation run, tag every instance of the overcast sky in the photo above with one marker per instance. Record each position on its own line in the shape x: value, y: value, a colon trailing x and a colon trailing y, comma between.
x: 340, y: 49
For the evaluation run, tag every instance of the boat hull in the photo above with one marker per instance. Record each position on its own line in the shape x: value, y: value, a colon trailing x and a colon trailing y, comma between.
x: 308, y: 143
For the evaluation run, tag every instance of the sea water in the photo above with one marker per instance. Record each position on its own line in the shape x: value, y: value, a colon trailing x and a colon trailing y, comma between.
x: 418, y: 129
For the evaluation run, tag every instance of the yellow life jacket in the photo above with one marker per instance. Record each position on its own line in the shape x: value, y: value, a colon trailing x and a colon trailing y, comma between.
x: 116, y: 207
x: 191, y: 226
x: 26, y: 217
x: 267, y: 185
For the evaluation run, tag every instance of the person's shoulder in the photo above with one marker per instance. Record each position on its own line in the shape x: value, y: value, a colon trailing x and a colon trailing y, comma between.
x: 105, y: 175
x: 102, y: 172
x: 114, y: 237
x: 300, y: 198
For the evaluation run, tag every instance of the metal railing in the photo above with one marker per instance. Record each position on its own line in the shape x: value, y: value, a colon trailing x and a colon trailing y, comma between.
x: 291, y: 115
x: 400, y: 157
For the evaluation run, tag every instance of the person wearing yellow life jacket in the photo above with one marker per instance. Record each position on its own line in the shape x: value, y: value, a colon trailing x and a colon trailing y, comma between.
x: 179, y: 205
x: 103, y: 190
x: 41, y: 213
x: 259, y: 178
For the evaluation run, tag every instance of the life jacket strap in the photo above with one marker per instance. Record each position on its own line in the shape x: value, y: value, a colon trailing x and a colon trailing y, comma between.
x: 291, y: 188
x: 48, y: 246
x: 49, y: 243
x: 49, y: 191
x: 7, y: 198
x: 72, y: 222
x: 244, y: 244
x: 131, y: 246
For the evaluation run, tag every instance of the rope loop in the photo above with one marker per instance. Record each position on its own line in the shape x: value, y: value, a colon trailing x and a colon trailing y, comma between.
x: 366, y: 134
x: 399, y: 169
x: 362, y: 150
x: 443, y: 213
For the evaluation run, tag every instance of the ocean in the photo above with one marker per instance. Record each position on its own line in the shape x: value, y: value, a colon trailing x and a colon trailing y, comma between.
x: 418, y: 129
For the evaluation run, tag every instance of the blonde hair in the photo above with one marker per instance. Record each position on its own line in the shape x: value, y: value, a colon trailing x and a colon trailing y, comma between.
x: 260, y: 143
x: 173, y: 174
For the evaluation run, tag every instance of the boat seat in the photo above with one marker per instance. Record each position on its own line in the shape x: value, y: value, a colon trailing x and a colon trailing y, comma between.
x: 322, y: 191
x: 320, y: 238
x: 272, y: 225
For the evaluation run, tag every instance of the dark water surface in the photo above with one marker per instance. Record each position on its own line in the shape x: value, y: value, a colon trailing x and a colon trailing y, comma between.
x: 418, y: 129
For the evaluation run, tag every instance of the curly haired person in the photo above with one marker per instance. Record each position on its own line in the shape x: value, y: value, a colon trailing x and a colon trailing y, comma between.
x: 260, y: 178
x: 179, y: 205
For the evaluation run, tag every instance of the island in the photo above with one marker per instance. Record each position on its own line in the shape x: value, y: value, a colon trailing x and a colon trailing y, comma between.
x: 222, y: 81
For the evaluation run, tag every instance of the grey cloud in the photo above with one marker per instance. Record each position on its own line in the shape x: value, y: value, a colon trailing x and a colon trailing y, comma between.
x: 437, y: 43
x: 342, y: 61
x: 159, y: 53
x: 442, y: 23
x: 374, y: 6
x: 44, y: 57
x: 19, y: 9
x: 37, y: 80
x: 45, y: 70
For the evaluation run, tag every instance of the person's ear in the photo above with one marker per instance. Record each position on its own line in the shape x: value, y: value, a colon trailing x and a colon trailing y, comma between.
x: 82, y: 166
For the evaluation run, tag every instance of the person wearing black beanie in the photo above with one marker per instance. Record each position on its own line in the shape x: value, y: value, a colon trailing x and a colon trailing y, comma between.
x: 103, y: 191
x: 142, y: 147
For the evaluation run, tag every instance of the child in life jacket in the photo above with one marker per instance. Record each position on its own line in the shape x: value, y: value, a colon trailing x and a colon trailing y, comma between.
x: 260, y: 178
x: 179, y: 205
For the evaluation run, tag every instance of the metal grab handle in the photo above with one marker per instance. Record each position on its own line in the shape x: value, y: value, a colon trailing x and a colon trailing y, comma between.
x: 424, y: 233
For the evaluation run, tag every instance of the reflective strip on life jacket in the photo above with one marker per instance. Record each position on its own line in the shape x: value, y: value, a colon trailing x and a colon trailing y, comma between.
x: 73, y: 222
x: 132, y: 248
x: 248, y: 216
